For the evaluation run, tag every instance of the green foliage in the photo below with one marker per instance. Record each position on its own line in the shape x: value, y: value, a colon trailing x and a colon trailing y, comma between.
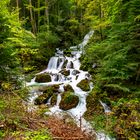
x: 115, y: 52
x: 34, y: 135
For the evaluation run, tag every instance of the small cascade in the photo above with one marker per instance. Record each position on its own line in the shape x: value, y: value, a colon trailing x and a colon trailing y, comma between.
x: 106, y: 107
x: 66, y: 71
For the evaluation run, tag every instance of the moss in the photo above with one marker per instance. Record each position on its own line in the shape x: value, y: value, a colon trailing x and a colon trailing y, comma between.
x: 128, y: 119
x: 68, y: 88
x: 68, y: 101
x: 93, y: 106
x: 54, y: 88
x: 42, y: 99
x: 68, y: 53
x: 54, y: 99
x: 41, y: 78
x: 84, y: 85
x: 65, y: 72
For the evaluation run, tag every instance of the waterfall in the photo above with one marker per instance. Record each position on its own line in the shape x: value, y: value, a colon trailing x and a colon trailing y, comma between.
x: 74, y: 75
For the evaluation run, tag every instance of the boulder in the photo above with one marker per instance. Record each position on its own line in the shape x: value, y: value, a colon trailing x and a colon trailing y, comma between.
x: 84, y: 85
x: 46, y: 89
x: 75, y: 72
x: 48, y: 92
x: 42, y: 78
x: 70, y: 65
x: 65, y: 64
x: 54, y: 99
x: 68, y: 88
x: 65, y: 72
x: 68, y: 101
x: 43, y: 99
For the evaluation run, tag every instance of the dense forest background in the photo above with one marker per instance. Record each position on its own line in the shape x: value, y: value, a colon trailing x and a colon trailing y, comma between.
x: 30, y: 32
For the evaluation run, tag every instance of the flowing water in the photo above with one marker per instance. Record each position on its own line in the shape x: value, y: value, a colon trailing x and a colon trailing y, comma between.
x: 56, y: 64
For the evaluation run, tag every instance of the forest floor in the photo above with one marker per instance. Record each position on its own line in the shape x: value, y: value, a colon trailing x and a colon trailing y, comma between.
x: 16, y: 123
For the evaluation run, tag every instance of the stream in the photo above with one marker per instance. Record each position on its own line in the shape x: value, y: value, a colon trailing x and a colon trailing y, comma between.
x: 71, y: 63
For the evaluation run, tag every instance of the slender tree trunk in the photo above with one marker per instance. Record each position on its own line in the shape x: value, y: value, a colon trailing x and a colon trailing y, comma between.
x: 17, y: 6
x: 31, y: 16
x: 100, y: 16
x: 17, y: 3
x: 38, y: 22
x: 47, y: 13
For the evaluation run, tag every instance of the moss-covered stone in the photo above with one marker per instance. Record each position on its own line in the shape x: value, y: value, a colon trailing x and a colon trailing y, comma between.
x: 93, y: 106
x: 41, y: 78
x: 54, y: 99
x: 65, y: 72
x: 45, y: 89
x: 84, y: 85
x: 42, y: 99
x: 68, y: 88
x: 68, y: 101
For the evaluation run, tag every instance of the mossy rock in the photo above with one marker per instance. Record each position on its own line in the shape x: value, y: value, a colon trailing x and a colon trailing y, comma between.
x: 41, y: 78
x: 43, y: 99
x: 68, y: 101
x: 65, y: 72
x: 68, y: 88
x: 54, y: 99
x: 84, y: 85
x: 53, y: 88
x: 93, y: 106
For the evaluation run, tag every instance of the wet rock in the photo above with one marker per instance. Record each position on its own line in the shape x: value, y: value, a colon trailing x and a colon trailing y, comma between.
x: 65, y: 72
x: 59, y: 61
x: 84, y: 85
x: 47, y: 93
x: 54, y: 99
x: 43, y: 99
x: 70, y: 65
x: 65, y: 64
x: 57, y: 77
x: 68, y: 88
x: 68, y: 101
x: 75, y: 72
x: 41, y: 78
x: 53, y: 88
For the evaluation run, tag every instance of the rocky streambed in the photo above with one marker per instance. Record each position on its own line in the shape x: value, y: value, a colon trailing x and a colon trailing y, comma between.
x: 63, y: 86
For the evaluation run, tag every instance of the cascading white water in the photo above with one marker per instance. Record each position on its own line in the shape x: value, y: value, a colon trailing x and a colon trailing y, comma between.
x: 54, y: 68
x: 106, y: 107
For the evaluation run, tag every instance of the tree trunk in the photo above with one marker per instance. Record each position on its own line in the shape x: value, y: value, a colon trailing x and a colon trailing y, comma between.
x: 17, y: 3
x: 38, y: 20
x: 31, y: 16
x: 100, y: 16
x: 47, y: 13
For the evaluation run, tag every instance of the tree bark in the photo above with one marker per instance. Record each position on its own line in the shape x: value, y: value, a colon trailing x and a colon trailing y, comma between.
x: 47, y: 13
x: 38, y: 20
x: 31, y: 16
x: 100, y: 16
